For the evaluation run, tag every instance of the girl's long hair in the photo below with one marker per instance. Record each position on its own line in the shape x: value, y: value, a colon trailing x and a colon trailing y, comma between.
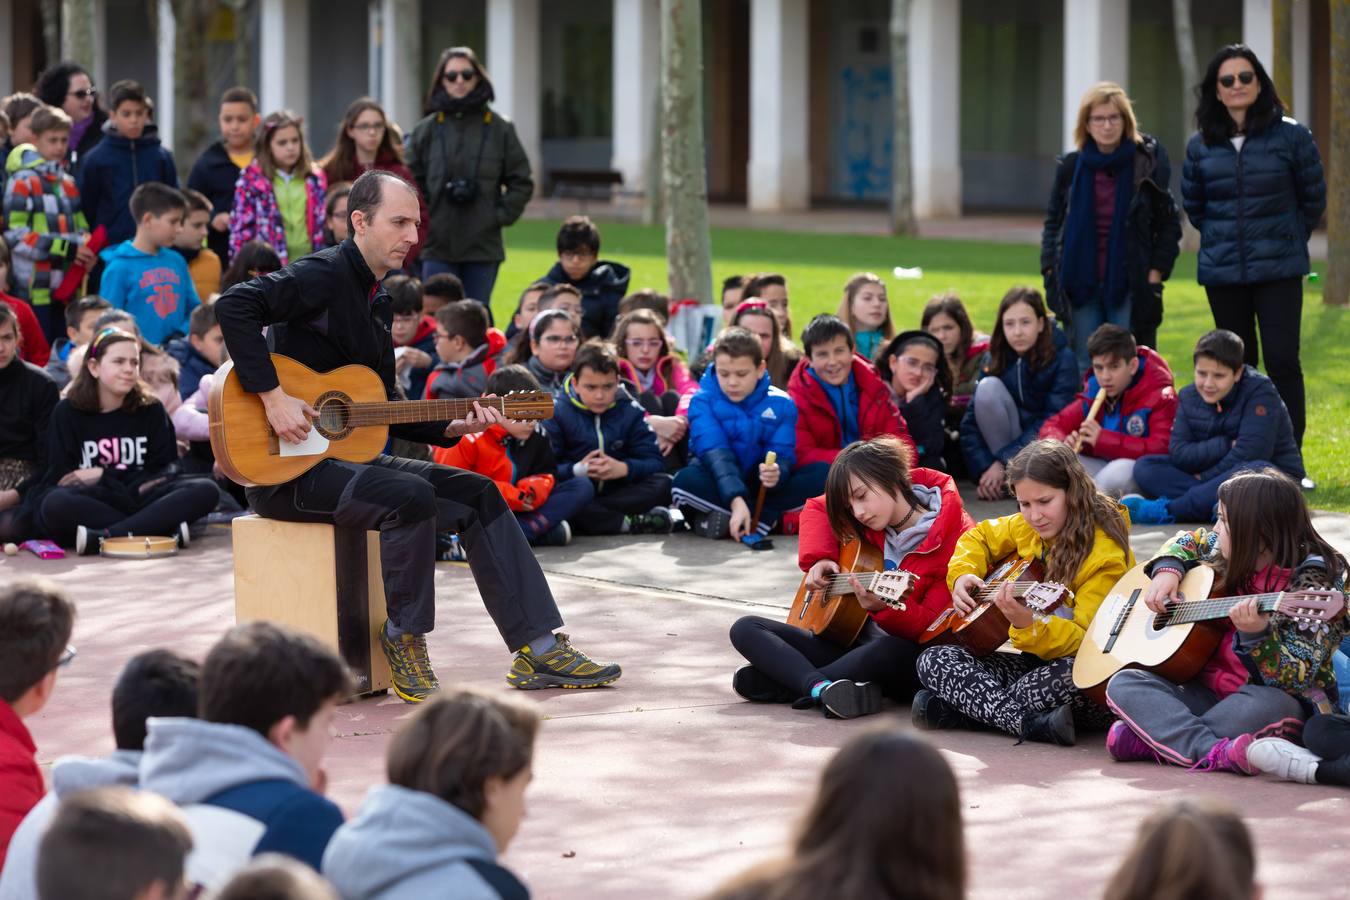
x: 851, y: 289
x: 1001, y: 356
x: 340, y: 164
x: 776, y: 363
x: 1054, y: 464
x: 860, y: 836
x: 1266, y: 511
x: 949, y: 304
x: 1192, y: 850
x: 1212, y: 118
x: 908, y: 339
x: 519, y: 352
x: 638, y: 317
x: 270, y: 125
x: 83, y: 393
x: 882, y: 464
x: 253, y: 259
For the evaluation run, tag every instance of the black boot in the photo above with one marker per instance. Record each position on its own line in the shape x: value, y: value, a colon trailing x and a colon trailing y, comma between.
x: 1053, y: 726
x: 753, y: 685
x: 930, y: 712
x: 850, y: 699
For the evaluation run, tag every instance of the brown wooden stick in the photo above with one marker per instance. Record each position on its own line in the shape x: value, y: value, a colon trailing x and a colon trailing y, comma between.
x: 769, y: 459
x: 1092, y: 414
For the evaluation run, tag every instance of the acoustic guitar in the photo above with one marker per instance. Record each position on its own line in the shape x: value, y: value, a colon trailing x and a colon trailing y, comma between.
x: 1126, y: 634
x: 834, y: 611
x: 353, y: 422
x: 985, y: 628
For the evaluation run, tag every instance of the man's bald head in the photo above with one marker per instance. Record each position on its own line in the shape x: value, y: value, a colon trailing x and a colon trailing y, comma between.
x: 369, y: 192
x: 383, y: 215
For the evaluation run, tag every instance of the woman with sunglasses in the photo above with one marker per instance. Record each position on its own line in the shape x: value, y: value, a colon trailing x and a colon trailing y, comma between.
x: 912, y: 366
x: 1253, y: 185
x: 68, y: 85
x: 1112, y: 229
x: 473, y: 172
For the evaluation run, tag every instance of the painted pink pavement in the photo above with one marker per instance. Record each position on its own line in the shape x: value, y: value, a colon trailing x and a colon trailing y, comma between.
x: 666, y: 784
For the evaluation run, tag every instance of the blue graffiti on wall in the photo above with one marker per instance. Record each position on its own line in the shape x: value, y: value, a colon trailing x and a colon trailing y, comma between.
x: 863, y: 153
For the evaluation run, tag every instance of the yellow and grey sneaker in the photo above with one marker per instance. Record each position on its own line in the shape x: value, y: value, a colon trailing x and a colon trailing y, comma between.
x: 562, y: 666
x: 414, y: 680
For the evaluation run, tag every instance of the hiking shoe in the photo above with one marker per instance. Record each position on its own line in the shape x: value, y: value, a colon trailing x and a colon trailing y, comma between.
x: 414, y: 680
x: 1228, y: 755
x: 1125, y: 745
x: 850, y: 699
x: 930, y: 712
x: 1053, y: 726
x: 1148, y: 512
x: 654, y: 521
x: 1283, y: 759
x: 563, y: 666
x: 559, y: 535
x: 715, y: 525
x: 751, y: 684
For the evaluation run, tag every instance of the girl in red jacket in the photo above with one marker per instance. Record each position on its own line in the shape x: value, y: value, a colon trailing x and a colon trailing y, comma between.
x: 914, y: 518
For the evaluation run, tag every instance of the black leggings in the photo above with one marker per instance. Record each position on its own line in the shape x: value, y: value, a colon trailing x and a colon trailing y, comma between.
x: 159, y: 512
x: 798, y: 659
x: 1329, y: 738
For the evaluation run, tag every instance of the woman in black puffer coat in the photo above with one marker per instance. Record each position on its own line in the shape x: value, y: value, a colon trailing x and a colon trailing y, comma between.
x: 1253, y: 185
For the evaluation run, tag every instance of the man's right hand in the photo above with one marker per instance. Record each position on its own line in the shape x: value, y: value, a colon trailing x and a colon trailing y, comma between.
x: 290, y: 417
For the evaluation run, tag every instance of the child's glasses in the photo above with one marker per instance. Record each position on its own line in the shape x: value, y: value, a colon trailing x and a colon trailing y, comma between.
x: 644, y: 343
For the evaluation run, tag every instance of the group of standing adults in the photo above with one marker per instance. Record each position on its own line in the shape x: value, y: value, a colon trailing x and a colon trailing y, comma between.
x: 1252, y: 185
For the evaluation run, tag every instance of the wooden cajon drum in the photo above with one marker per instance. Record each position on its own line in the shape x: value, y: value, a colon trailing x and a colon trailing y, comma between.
x: 320, y: 579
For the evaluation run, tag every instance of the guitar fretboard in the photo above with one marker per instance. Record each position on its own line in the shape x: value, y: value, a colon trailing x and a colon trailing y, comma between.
x: 406, y: 412
x: 1215, y: 608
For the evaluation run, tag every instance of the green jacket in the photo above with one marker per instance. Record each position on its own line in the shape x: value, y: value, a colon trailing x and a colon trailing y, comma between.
x: 444, y: 147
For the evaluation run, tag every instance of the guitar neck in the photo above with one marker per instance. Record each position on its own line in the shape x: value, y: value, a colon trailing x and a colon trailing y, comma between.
x: 407, y: 412
x: 1219, y: 607
x: 1019, y: 590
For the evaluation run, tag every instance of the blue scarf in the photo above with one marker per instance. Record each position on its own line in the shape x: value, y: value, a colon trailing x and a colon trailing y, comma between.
x: 844, y: 399
x: 1078, y: 265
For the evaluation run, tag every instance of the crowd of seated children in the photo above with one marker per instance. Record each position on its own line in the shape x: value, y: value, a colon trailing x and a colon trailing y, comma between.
x: 442, y: 289
x: 910, y: 364
x: 735, y: 419
x: 1030, y: 374
x: 80, y: 317
x: 201, y: 353
x: 600, y: 433
x: 547, y: 347
x: 468, y: 351
x: 600, y: 283
x: 144, y: 275
x: 1230, y: 418
x: 518, y: 456
x: 657, y: 378
x: 772, y: 289
x: 781, y: 356
x: 526, y: 308
x: 839, y: 397
x: 914, y: 518
x: 964, y: 352
x: 414, y: 335
x: 1135, y: 418
x: 733, y: 287
x: 867, y: 312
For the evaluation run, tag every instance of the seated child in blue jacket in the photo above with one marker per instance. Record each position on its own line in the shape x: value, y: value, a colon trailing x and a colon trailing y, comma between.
x: 1230, y: 419
x: 598, y: 431
x: 735, y: 419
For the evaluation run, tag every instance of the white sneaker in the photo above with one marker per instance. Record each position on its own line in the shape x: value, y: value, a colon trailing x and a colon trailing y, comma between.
x: 184, y: 536
x: 81, y: 540
x: 1307, y: 483
x: 1283, y: 759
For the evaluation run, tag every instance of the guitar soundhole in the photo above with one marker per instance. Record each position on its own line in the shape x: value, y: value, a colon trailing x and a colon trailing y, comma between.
x: 333, y: 415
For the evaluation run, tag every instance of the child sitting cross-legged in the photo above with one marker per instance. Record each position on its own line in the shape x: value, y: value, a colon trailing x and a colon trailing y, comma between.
x: 735, y: 419
x: 599, y: 432
x: 468, y: 350
x: 656, y: 377
x: 519, y: 458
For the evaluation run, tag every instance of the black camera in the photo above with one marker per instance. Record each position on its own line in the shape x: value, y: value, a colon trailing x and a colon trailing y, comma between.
x: 461, y: 190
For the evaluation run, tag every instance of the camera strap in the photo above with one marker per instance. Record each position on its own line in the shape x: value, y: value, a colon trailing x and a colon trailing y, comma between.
x: 477, y: 164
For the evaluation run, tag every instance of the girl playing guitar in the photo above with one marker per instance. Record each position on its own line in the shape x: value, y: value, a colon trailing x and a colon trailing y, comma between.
x: 1082, y: 537
x: 914, y: 518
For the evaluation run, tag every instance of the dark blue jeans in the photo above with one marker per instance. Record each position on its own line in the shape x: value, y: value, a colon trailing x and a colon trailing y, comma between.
x: 478, y: 278
x: 696, y: 488
x: 565, y: 500
x: 1190, y: 499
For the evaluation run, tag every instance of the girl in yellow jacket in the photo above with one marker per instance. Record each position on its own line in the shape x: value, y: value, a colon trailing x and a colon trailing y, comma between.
x: 1082, y: 538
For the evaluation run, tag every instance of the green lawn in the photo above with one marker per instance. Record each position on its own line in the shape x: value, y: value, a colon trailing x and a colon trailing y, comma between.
x: 818, y: 265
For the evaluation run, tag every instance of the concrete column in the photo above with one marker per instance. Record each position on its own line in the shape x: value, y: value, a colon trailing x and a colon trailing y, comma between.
x: 1257, y: 31
x: 935, y: 107
x: 1096, y: 48
x: 778, y: 175
x: 513, y: 61
x: 637, y: 76
x: 100, y: 66
x: 7, y: 48
x: 283, y: 56
x: 164, y: 96
x: 1302, y: 58
x: 401, y: 84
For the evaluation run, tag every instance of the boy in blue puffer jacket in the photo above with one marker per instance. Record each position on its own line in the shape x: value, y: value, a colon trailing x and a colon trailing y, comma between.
x: 1230, y: 419
x: 735, y: 419
x: 598, y: 431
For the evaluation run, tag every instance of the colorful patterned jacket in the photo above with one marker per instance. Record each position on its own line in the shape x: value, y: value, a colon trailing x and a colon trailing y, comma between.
x: 257, y: 216
x: 43, y: 223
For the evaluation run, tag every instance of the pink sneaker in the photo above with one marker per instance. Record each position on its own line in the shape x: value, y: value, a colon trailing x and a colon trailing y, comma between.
x: 1228, y: 755
x: 1126, y: 746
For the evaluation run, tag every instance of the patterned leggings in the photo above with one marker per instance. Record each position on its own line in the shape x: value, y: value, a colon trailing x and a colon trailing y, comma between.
x: 1002, y: 688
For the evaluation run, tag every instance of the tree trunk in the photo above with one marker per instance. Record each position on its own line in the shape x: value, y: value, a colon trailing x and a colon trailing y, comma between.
x: 683, y: 168
x: 902, y: 175
x: 1190, y: 77
x: 243, y: 38
x: 51, y: 29
x: 77, y: 33
x: 654, y: 200
x: 1336, y: 289
x: 1282, y: 58
x: 193, y: 108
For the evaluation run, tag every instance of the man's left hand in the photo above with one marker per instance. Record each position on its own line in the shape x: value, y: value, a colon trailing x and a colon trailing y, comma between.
x: 480, y: 419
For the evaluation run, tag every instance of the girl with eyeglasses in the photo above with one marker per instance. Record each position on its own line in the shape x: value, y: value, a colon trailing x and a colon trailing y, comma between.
x: 472, y: 168
x: 1254, y: 187
x: 547, y: 348
x: 657, y: 379
x: 366, y: 140
x: 911, y: 365
x: 1112, y: 230
x: 280, y: 195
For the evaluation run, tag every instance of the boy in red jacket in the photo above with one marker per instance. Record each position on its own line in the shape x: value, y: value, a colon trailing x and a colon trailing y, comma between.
x: 840, y: 399
x: 914, y: 517
x: 35, y: 623
x: 1134, y: 420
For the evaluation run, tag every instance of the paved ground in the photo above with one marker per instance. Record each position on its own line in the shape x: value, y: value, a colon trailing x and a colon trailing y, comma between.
x: 667, y: 783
